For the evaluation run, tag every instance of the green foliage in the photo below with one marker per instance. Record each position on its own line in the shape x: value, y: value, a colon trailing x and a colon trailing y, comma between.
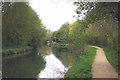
x: 15, y: 49
x: 21, y: 26
x: 103, y: 10
x: 104, y: 32
x: 96, y: 10
x: 15, y: 29
x: 83, y: 7
x: 101, y: 22
x: 82, y: 67
x: 61, y: 36
x: 72, y: 36
x: 99, y: 27
x: 112, y: 57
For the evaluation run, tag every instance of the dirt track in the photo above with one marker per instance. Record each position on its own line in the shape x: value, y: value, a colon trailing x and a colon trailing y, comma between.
x: 101, y: 68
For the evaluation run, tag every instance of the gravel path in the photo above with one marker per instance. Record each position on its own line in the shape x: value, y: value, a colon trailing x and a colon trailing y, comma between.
x: 101, y: 68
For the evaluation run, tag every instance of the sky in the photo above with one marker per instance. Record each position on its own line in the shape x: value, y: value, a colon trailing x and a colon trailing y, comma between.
x: 54, y: 13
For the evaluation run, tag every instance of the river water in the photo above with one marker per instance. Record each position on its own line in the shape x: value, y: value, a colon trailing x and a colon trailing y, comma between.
x: 47, y: 63
x: 53, y: 68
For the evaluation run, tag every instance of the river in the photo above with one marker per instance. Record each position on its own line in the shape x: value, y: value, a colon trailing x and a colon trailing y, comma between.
x: 46, y: 63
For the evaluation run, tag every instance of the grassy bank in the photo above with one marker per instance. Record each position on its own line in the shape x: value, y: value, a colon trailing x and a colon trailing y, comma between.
x: 112, y: 57
x: 82, y: 67
x: 15, y: 50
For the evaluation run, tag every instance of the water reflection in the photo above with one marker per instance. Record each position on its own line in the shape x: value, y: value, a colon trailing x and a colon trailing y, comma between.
x: 66, y: 57
x: 47, y: 63
x: 22, y: 67
x: 53, y: 69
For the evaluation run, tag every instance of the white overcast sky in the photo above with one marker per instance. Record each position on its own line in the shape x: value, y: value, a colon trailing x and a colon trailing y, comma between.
x: 54, y: 13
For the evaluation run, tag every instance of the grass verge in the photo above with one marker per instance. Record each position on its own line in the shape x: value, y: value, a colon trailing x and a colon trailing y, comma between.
x: 112, y: 57
x: 82, y: 67
x: 14, y: 49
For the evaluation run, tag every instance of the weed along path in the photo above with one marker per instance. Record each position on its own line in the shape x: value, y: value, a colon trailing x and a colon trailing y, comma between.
x: 101, y: 68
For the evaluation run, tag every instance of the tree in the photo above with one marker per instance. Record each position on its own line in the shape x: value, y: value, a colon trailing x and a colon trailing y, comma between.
x: 21, y: 26
x: 101, y: 18
x: 61, y: 36
x: 96, y: 10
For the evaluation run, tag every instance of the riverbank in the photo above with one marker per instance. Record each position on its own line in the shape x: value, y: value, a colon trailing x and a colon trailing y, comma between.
x: 8, y: 52
x: 82, y: 67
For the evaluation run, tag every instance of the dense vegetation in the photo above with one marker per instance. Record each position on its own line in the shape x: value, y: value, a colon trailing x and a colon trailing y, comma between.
x: 99, y: 27
x: 70, y: 37
x: 21, y: 26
